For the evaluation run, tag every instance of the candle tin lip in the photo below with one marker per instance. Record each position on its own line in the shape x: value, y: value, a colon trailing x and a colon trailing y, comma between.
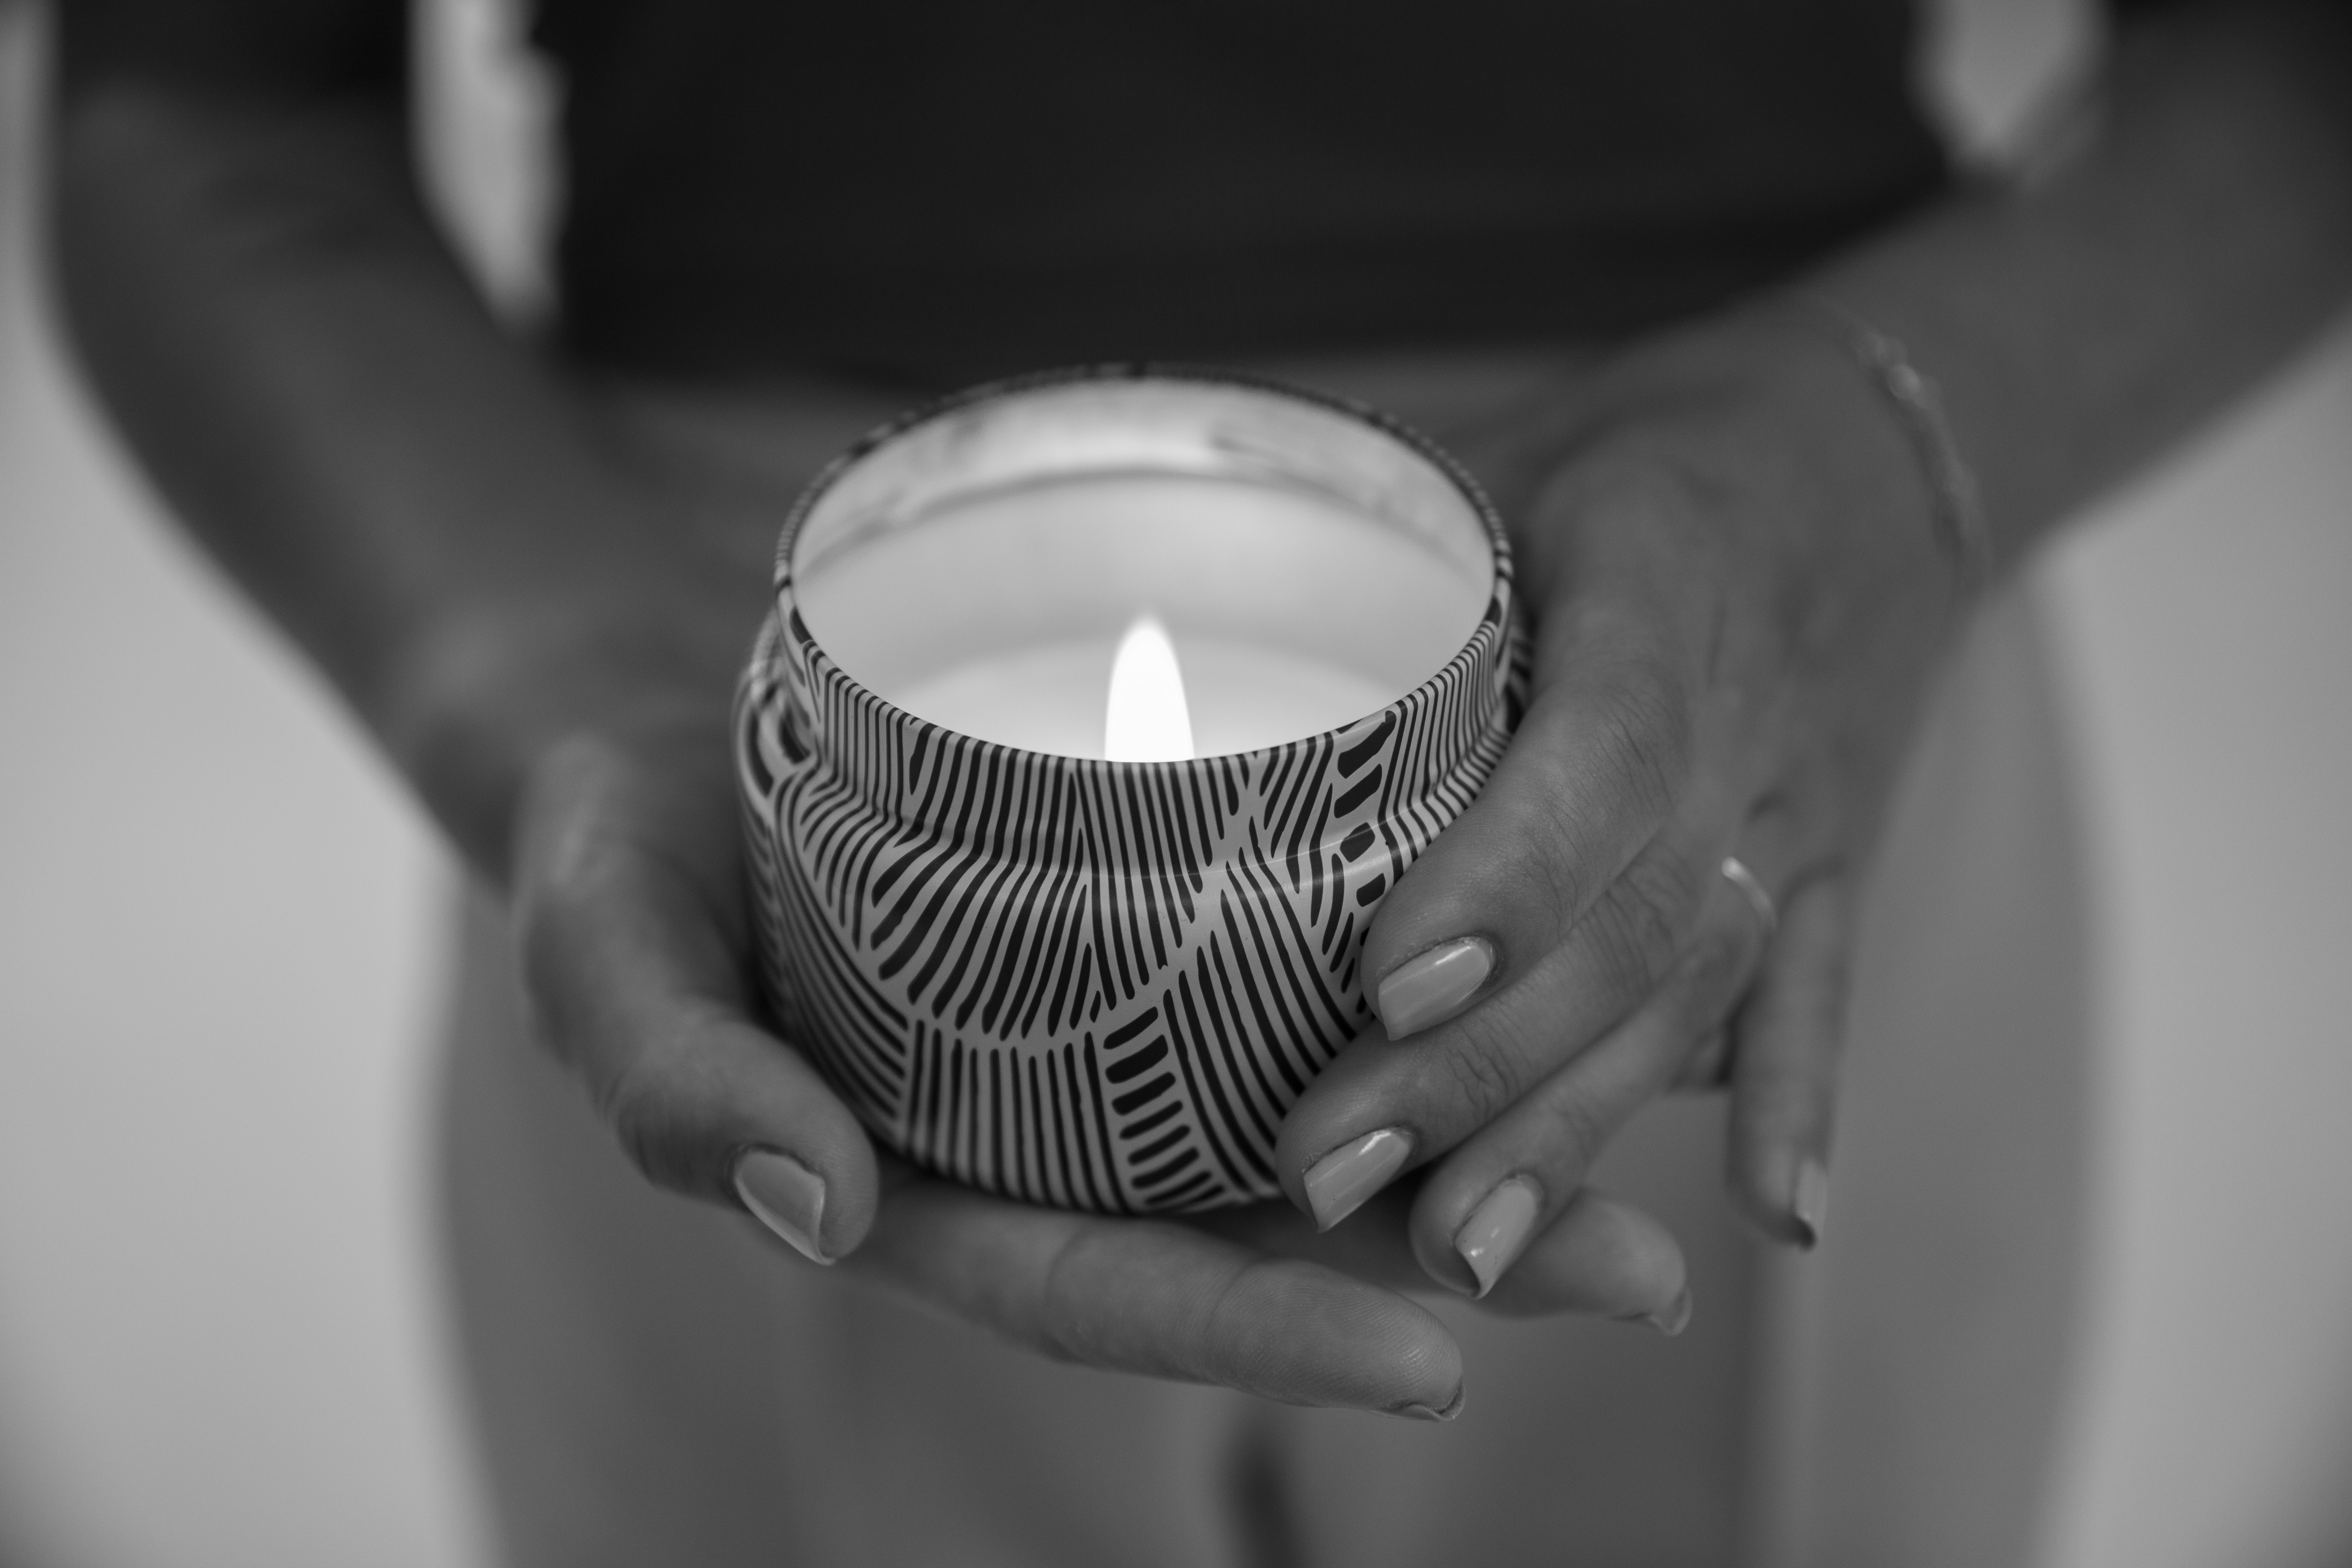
x: 1458, y: 479
x: 1093, y: 983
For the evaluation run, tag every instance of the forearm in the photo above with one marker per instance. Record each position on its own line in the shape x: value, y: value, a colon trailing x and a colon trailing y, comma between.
x: 2078, y: 325
x: 422, y: 504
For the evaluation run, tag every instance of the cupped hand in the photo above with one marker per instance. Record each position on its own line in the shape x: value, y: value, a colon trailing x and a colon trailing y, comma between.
x: 628, y: 894
x: 1738, y: 601
x: 628, y: 890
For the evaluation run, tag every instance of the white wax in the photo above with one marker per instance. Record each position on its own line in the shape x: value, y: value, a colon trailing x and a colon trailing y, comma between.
x: 997, y: 613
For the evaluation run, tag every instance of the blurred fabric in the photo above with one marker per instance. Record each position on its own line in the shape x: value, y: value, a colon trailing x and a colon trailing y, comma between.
x: 219, y: 1340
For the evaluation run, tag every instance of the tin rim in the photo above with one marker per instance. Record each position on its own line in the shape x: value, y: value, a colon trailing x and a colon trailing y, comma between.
x: 1494, y: 626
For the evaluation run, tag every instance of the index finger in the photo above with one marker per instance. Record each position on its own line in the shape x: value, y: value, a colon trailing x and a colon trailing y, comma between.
x: 1557, y: 900
x: 1564, y: 893
x: 1594, y: 772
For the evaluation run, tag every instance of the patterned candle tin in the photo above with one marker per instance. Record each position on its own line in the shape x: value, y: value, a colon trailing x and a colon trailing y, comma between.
x: 1089, y: 983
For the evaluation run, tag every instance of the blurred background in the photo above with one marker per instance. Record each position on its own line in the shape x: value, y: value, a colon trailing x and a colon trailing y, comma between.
x: 219, y: 971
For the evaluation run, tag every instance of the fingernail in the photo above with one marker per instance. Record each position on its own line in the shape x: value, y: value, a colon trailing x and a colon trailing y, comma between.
x: 1490, y: 1239
x: 1427, y: 1413
x: 1669, y: 1320
x: 1431, y: 987
x: 1809, y: 1205
x: 1338, y: 1184
x: 787, y: 1196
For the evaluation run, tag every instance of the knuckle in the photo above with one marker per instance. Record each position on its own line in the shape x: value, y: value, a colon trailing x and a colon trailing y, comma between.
x: 1225, y: 1320
x: 563, y: 786
x: 636, y: 1102
x: 566, y: 859
x: 1641, y: 924
x: 1556, y: 867
x: 1059, y: 1329
x: 555, y: 947
x: 631, y: 1104
x: 1644, y: 731
x: 1622, y: 760
x: 1482, y: 1071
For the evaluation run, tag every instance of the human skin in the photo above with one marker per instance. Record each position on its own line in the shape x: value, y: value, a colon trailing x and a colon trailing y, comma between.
x: 1725, y: 534
x: 1730, y: 531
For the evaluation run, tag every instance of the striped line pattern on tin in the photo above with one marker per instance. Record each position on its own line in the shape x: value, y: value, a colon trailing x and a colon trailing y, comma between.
x: 1090, y: 985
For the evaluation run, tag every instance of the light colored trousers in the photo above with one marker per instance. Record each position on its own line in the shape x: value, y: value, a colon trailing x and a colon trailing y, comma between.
x: 657, y: 1382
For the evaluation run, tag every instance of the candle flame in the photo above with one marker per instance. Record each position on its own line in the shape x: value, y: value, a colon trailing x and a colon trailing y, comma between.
x: 1146, y: 720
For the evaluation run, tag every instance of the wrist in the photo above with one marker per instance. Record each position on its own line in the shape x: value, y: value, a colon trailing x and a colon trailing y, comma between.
x: 1756, y: 451
x: 478, y: 698
x: 1914, y: 401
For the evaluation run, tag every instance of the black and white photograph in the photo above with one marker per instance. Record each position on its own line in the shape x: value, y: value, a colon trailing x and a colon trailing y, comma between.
x: 1530, y: 784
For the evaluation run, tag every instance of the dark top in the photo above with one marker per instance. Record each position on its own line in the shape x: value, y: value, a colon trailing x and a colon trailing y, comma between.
x: 949, y: 190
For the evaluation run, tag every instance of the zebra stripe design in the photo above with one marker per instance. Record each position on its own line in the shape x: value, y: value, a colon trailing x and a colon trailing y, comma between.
x: 1098, y: 985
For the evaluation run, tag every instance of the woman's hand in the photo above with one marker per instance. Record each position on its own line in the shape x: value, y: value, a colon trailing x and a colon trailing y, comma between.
x: 609, y: 706
x: 1724, y: 538
x: 1726, y: 543
x: 627, y: 886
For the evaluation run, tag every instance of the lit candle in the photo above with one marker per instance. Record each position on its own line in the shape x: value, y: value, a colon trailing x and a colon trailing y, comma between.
x: 1095, y: 718
x: 1000, y: 616
x: 1145, y: 717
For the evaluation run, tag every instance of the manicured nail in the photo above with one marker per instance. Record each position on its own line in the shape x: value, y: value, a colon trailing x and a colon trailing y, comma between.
x: 1430, y: 987
x: 1669, y: 1320
x: 787, y: 1196
x: 1809, y: 1205
x: 1338, y: 1184
x: 1490, y: 1239
x: 1427, y: 1413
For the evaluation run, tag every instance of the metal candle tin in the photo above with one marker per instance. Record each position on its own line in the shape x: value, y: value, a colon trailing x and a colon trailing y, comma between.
x: 1095, y: 984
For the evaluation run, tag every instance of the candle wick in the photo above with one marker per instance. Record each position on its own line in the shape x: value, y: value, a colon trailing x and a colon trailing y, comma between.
x: 1146, y: 718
